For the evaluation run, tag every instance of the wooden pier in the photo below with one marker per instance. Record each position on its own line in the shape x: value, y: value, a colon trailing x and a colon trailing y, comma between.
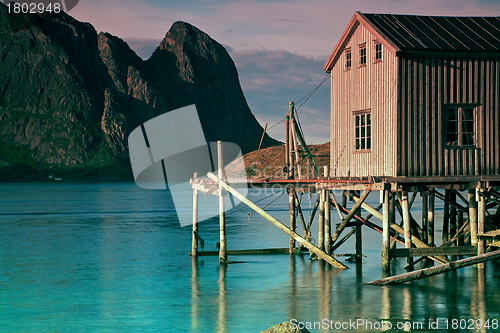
x: 471, y: 217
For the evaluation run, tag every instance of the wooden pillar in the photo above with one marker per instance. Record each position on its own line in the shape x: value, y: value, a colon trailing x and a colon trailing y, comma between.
x: 359, y: 238
x: 287, y: 146
x: 481, y: 210
x: 321, y: 223
x: 406, y: 225
x: 473, y: 217
x: 425, y: 218
x: 430, y: 218
x: 453, y: 215
x: 392, y: 216
x: 328, y: 226
x: 386, y: 239
x: 222, y: 214
x: 460, y: 223
x: 194, y: 243
x: 291, y: 214
x: 446, y: 216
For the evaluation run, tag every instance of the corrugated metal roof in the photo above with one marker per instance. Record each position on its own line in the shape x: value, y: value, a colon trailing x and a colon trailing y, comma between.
x: 439, y: 33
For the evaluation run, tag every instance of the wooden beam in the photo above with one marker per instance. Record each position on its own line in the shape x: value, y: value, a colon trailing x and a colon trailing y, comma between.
x: 349, y: 216
x: 435, y: 251
x: 423, y: 273
x: 406, y: 224
x: 278, y: 224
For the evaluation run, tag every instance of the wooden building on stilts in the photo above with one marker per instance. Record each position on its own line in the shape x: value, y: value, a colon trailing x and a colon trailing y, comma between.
x: 415, y: 110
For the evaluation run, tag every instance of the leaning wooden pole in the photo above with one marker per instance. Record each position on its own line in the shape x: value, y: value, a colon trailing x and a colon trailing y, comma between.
x: 277, y: 223
x: 473, y: 217
x: 426, y: 272
x: 222, y: 214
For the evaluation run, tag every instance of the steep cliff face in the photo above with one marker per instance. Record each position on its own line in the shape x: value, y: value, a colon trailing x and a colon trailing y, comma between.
x: 69, y: 97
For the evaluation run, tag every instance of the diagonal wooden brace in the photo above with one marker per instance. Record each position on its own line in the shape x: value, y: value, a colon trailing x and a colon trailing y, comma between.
x: 349, y: 216
x: 322, y: 255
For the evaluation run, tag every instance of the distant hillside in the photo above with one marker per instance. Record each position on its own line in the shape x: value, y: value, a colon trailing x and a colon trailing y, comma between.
x: 69, y: 97
x: 268, y: 163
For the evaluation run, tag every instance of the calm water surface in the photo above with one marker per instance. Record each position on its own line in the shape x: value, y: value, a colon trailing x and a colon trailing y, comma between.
x: 113, y: 258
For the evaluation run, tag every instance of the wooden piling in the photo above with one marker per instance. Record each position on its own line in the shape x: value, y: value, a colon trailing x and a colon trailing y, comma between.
x: 222, y: 213
x: 359, y: 238
x: 430, y: 220
x: 386, y: 240
x: 473, y: 216
x: 194, y: 243
x: 453, y: 215
x: 321, y: 221
x: 291, y: 215
x: 446, y: 216
x: 425, y: 218
x: 481, y: 210
x: 328, y: 236
x: 406, y: 224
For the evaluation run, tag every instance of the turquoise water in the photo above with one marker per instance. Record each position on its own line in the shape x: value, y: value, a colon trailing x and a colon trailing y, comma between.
x: 113, y: 258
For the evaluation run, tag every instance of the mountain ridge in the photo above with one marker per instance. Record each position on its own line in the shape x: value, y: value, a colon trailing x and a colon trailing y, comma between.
x: 69, y: 96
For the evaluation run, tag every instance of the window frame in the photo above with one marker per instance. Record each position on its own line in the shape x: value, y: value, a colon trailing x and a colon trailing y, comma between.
x: 348, y: 62
x: 362, y: 57
x: 459, y: 128
x: 377, y: 59
x: 362, y: 131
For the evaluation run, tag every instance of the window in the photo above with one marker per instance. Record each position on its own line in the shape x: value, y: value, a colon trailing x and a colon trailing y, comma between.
x: 348, y: 59
x: 460, y: 125
x: 362, y: 55
x: 363, y: 130
x: 378, y: 52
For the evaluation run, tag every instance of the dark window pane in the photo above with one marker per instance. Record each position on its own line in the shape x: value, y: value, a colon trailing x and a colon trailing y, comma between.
x: 362, y: 120
x: 362, y: 144
x: 368, y: 143
x: 357, y: 144
x: 368, y: 119
x: 363, y: 132
x: 468, y: 126
x: 357, y: 132
x: 357, y: 120
x: 468, y: 139
x: 452, y: 139
x: 368, y: 131
x: 452, y: 127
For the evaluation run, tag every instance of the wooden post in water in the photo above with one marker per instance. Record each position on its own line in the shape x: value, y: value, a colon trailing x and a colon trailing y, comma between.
x: 291, y: 214
x: 480, y: 226
x: 430, y: 219
x: 473, y: 217
x: 425, y: 218
x: 406, y: 225
x: 321, y: 223
x: 359, y: 238
x: 386, y: 239
x: 446, y: 216
x: 222, y: 214
x: 328, y: 226
x: 453, y: 215
x: 194, y: 244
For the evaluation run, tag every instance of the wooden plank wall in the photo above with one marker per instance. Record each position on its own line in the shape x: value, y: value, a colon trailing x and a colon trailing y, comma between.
x: 425, y: 86
x: 373, y: 87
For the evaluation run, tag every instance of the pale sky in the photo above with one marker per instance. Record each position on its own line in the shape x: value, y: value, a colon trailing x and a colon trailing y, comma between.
x: 279, y: 46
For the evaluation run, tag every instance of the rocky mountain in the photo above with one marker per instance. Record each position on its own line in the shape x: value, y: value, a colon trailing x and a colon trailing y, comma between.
x: 69, y: 97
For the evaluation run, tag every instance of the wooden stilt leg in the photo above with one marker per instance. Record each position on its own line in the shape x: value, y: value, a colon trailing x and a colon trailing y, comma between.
x: 473, y: 217
x: 425, y: 218
x: 446, y: 216
x: 406, y: 225
x: 328, y: 236
x: 194, y: 243
x: 291, y: 213
x: 321, y: 226
x: 386, y: 260
x: 480, y: 227
x: 222, y: 214
x: 359, y: 238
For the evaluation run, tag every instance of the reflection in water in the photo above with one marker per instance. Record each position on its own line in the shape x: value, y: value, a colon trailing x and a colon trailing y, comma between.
x: 222, y: 315
x: 195, y: 296
x: 314, y: 291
